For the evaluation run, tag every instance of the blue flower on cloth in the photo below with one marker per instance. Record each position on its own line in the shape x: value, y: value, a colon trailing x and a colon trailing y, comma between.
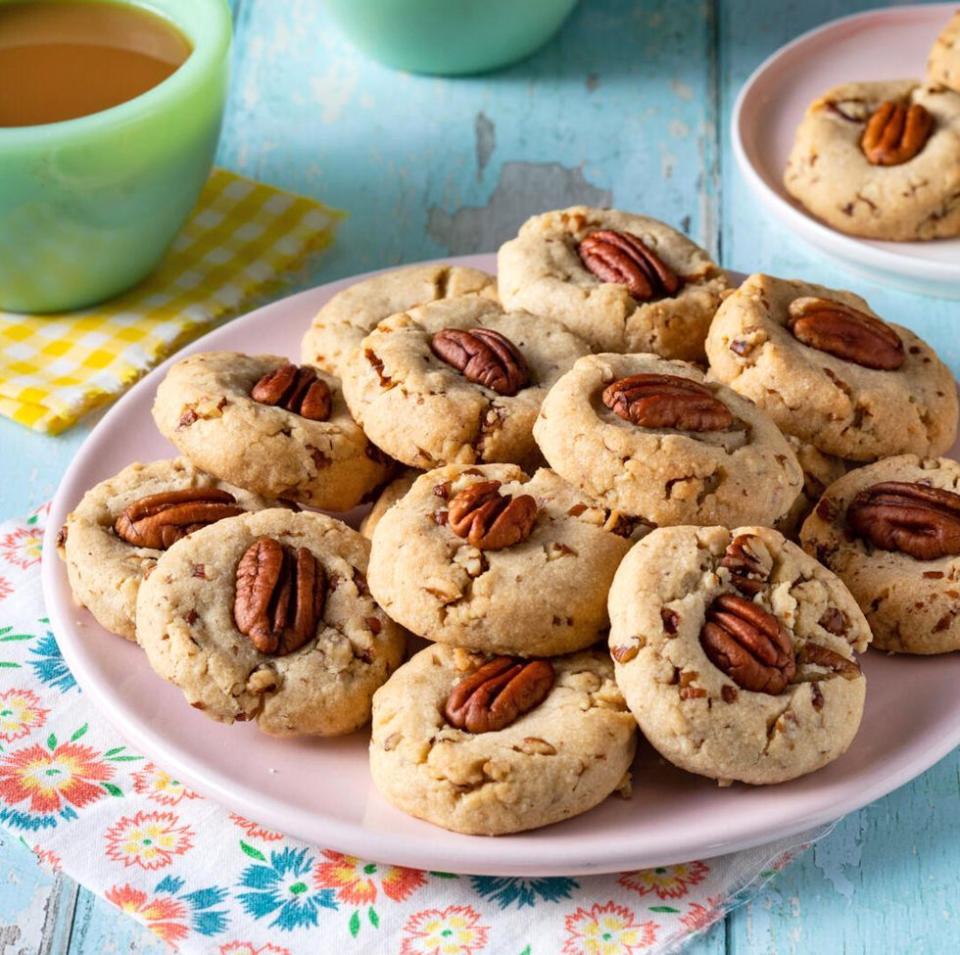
x: 206, y: 919
x: 520, y: 892
x: 49, y: 666
x: 284, y: 887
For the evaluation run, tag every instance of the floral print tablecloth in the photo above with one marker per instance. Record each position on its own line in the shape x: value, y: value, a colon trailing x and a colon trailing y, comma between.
x: 207, y: 880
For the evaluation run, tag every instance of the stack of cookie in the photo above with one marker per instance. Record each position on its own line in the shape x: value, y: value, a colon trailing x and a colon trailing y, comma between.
x: 881, y: 158
x: 605, y: 445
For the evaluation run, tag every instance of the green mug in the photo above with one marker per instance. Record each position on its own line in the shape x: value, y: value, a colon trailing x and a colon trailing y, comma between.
x: 89, y: 206
x: 449, y: 37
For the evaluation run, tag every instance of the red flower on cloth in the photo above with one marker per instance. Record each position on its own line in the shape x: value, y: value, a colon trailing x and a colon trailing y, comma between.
x: 158, y: 785
x: 356, y: 882
x: 149, y: 840
x: 667, y: 881
x: 608, y: 929
x: 21, y: 547
x: 254, y: 830
x: 20, y: 713
x: 48, y: 778
x: 450, y: 931
x: 6, y: 588
x: 47, y: 859
x: 164, y: 915
x: 248, y: 948
x: 699, y: 916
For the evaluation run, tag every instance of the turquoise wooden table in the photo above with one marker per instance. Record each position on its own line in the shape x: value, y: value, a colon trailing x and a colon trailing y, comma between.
x: 629, y: 105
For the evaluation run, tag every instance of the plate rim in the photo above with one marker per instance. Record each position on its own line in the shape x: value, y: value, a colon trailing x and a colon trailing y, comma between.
x: 409, y: 849
x: 854, y: 251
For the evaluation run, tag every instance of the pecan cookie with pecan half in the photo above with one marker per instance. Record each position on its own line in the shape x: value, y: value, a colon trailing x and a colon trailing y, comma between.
x: 268, y: 617
x: 489, y: 559
x: 340, y: 326
x: 891, y: 532
x: 113, y: 538
x: 271, y: 426
x: 489, y: 746
x: 881, y: 160
x: 830, y: 371
x: 623, y: 282
x: 735, y: 652
x: 650, y: 437
x: 943, y: 64
x: 457, y: 381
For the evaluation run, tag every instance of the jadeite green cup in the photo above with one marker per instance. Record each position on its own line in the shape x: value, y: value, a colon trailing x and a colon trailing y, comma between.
x: 449, y: 36
x: 89, y: 206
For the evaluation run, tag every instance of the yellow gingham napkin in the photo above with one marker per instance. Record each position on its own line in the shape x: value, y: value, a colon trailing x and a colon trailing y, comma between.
x: 241, y: 239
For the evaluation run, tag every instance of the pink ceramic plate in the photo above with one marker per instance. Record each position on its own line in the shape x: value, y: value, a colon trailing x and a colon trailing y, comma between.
x: 879, y: 44
x: 321, y: 791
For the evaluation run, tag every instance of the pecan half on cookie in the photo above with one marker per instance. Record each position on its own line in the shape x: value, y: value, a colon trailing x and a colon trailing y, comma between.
x: 914, y: 519
x: 498, y: 693
x: 491, y: 520
x: 623, y: 259
x: 845, y: 332
x: 160, y: 520
x: 296, y: 389
x: 667, y: 401
x: 895, y: 133
x: 484, y: 357
x: 279, y: 597
x: 749, y: 644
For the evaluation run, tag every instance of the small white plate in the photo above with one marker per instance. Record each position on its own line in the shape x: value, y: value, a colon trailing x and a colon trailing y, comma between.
x: 879, y: 44
x: 320, y: 790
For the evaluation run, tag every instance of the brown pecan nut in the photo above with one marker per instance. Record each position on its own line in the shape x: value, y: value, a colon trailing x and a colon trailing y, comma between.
x: 490, y: 520
x: 845, y: 332
x: 623, y: 259
x: 914, y: 519
x: 159, y: 520
x: 484, y: 357
x: 749, y: 563
x: 667, y: 401
x: 279, y: 597
x: 817, y: 655
x: 748, y: 644
x: 895, y: 133
x: 296, y: 389
x: 498, y: 693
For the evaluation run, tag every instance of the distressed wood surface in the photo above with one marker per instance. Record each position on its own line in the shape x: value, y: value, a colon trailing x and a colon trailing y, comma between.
x: 629, y: 106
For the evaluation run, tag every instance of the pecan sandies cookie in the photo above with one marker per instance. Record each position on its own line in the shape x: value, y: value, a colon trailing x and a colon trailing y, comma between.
x: 891, y: 532
x: 832, y: 372
x: 457, y: 381
x: 339, y: 327
x: 267, y: 617
x: 881, y: 160
x: 943, y: 64
x: 623, y: 282
x: 735, y: 652
x: 116, y: 534
x: 492, y: 745
x: 266, y: 424
x: 490, y: 559
x: 652, y: 438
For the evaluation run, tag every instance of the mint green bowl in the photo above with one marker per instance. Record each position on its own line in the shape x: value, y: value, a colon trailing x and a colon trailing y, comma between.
x: 449, y: 36
x: 89, y: 206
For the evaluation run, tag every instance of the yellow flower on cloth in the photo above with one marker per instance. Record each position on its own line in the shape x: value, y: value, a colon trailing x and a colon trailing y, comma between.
x: 241, y: 239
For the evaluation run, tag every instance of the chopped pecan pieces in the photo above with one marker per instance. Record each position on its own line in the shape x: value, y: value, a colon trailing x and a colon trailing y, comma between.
x: 845, y: 332
x: 817, y: 655
x: 748, y: 644
x: 296, y: 389
x: 490, y: 520
x: 667, y: 401
x: 498, y: 693
x: 279, y: 597
x: 895, y: 133
x: 621, y: 258
x: 160, y: 520
x: 914, y: 519
x: 749, y: 563
x: 484, y: 357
